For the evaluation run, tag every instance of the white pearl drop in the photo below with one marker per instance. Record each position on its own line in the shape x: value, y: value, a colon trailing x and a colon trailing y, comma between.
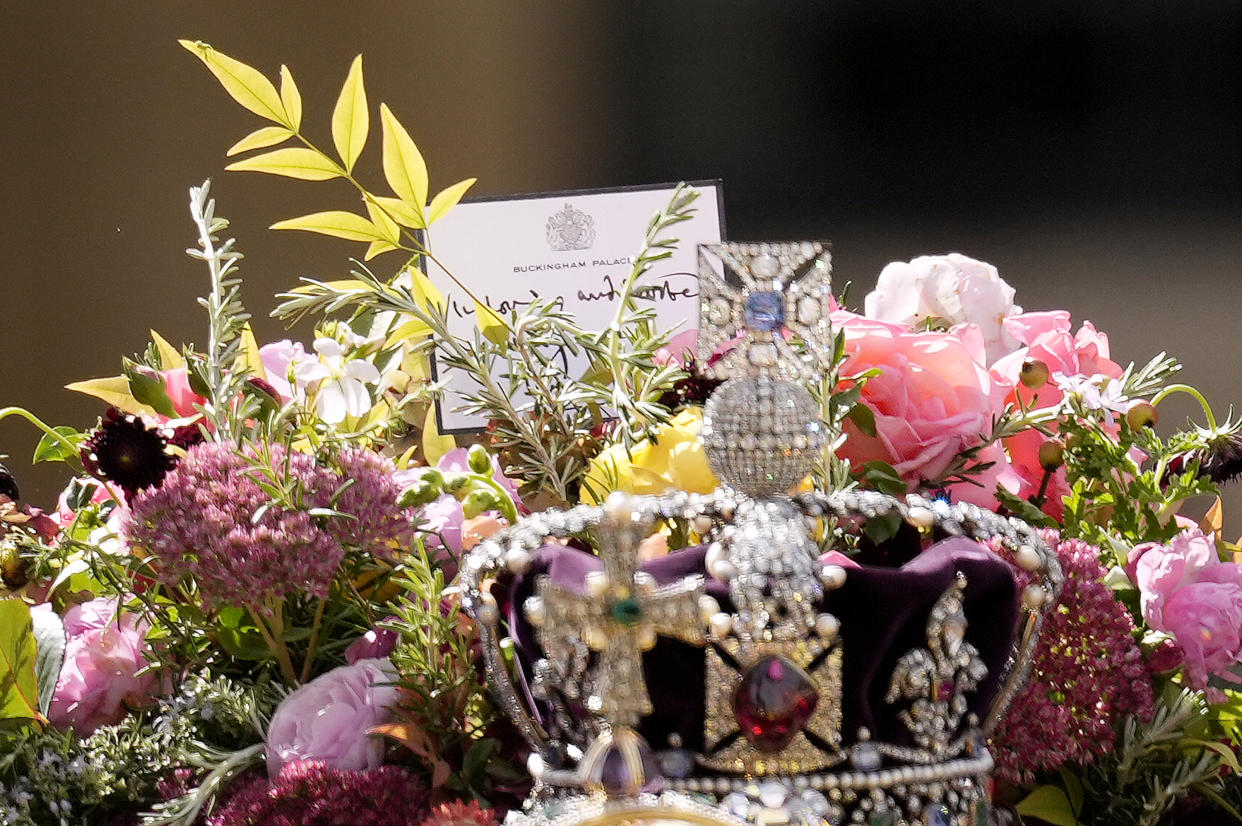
x: 833, y: 576
x: 708, y: 607
x: 536, y: 611
x: 1028, y: 559
x: 1033, y: 596
x: 702, y: 524
x: 920, y: 517
x: 517, y: 561
x: 827, y: 626
x: 596, y: 584
x: 722, y: 570
x: 721, y: 624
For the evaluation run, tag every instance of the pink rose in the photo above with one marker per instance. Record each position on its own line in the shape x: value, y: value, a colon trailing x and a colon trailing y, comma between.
x: 98, y: 681
x: 932, y: 399
x: 1046, y: 337
x: 374, y: 644
x: 946, y: 291
x: 177, y: 385
x: 328, y: 720
x: 279, y: 358
x: 1189, y: 593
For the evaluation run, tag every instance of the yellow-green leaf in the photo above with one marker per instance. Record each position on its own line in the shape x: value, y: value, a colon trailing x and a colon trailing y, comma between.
x: 19, y: 688
x: 170, y: 357
x: 350, y: 119
x: 491, y: 324
x: 113, y: 390
x: 435, y: 445
x: 425, y: 292
x: 303, y: 164
x: 336, y: 223
x: 402, y: 212
x: 260, y: 139
x: 1049, y: 803
x: 291, y: 98
x: 247, y: 85
x: 377, y: 248
x: 446, y: 199
x: 410, y: 329
x: 392, y: 232
x: 249, y: 355
x: 404, y: 166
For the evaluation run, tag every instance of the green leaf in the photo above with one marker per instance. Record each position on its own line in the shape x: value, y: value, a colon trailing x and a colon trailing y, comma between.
x: 1024, y: 510
x: 389, y: 227
x: 434, y: 444
x: 336, y: 223
x: 294, y: 162
x: 260, y: 139
x: 147, y: 387
x: 880, y: 529
x: 51, y: 449
x: 491, y: 325
x: 863, y: 418
x: 247, y: 85
x: 49, y: 635
x: 350, y: 120
x: 19, y: 688
x: 404, y: 167
x: 475, y: 762
x: 446, y: 199
x: 1049, y: 803
x: 290, y: 98
x: 884, y: 477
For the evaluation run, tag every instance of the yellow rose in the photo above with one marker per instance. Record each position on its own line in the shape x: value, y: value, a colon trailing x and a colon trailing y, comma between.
x: 675, y: 459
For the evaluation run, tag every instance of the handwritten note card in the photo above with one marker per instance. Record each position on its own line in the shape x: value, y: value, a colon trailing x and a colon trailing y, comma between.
x: 572, y: 247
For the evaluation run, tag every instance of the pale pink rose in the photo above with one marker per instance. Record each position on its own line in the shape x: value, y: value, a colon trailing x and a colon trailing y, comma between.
x: 1186, y: 591
x: 1047, y: 337
x: 98, y: 681
x: 177, y: 386
x: 681, y: 348
x: 328, y: 720
x: 374, y: 644
x: 279, y: 358
x: 932, y: 399
x: 946, y: 291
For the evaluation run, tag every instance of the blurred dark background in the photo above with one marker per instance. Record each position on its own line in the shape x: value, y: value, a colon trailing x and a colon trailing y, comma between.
x: 1090, y: 150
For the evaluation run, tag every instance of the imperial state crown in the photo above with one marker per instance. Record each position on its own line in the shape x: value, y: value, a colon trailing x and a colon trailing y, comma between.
x: 760, y: 677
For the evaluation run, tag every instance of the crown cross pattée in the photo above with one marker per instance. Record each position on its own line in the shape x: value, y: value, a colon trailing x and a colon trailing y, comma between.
x: 618, y: 617
x: 758, y: 292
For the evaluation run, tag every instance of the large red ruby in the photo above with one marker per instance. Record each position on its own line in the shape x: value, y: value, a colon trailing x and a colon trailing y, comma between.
x: 773, y: 702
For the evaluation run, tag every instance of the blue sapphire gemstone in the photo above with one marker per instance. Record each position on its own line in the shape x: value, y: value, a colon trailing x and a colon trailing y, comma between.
x: 764, y: 311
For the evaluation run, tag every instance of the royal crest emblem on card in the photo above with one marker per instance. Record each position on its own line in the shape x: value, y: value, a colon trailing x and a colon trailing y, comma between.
x: 571, y: 229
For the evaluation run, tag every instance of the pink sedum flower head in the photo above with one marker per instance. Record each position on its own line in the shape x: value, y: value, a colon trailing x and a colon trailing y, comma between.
x: 313, y: 794
x: 343, y: 384
x: 1088, y: 674
x: 931, y: 400
x: 946, y: 291
x: 327, y: 720
x: 201, y: 523
x: 1189, y: 593
x: 99, y: 680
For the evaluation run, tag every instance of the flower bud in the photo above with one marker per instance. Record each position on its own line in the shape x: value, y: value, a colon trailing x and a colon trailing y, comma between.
x: 419, y: 493
x: 478, y: 501
x: 1035, y: 374
x: 1052, y: 454
x: 1141, y: 414
x: 455, y: 482
x: 478, y: 459
x: 432, y: 476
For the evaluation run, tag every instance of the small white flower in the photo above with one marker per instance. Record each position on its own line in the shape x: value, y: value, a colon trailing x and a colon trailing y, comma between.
x: 1097, y: 392
x: 342, y: 384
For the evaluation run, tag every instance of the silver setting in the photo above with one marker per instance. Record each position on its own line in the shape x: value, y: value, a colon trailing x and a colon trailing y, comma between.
x: 793, y: 280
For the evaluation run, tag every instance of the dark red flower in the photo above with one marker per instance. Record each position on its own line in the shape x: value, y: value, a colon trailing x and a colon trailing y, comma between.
x: 125, y: 451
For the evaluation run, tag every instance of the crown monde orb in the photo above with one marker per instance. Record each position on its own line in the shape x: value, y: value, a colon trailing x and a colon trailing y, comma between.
x: 762, y: 435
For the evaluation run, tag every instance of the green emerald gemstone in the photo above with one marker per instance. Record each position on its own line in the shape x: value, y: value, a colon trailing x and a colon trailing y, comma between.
x: 883, y: 818
x: 627, y: 611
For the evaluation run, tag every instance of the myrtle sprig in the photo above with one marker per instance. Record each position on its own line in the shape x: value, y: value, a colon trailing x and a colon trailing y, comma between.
x: 223, y: 372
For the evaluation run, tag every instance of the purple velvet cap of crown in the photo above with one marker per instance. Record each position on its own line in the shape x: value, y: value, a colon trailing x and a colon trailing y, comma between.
x: 883, y: 614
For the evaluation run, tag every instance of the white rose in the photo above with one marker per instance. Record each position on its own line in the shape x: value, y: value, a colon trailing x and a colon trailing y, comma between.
x: 943, y: 291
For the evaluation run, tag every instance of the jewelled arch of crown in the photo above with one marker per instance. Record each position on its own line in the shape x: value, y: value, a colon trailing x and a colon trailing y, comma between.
x: 774, y: 750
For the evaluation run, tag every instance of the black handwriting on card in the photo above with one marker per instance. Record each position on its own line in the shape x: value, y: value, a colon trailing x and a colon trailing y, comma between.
x: 671, y: 287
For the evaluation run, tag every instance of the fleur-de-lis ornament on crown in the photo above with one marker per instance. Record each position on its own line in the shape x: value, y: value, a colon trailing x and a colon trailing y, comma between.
x: 758, y: 292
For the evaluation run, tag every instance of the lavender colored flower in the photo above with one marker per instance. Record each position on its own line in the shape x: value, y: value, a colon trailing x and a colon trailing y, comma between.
x: 212, y: 521
x: 312, y: 794
x: 1088, y: 674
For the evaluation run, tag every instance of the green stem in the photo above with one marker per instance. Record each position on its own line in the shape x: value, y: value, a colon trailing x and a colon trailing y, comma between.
x: 1190, y: 391
x: 74, y: 449
x: 273, y: 638
x: 316, y: 626
x: 507, y: 508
